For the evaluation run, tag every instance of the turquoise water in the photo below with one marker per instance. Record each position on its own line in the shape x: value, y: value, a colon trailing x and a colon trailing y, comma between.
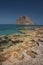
x: 6, y: 29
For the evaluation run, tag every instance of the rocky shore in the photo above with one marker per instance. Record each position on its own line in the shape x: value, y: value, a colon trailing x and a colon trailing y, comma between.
x: 22, y: 49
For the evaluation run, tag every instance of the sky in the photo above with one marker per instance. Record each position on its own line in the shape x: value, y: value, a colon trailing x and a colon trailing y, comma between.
x: 11, y: 10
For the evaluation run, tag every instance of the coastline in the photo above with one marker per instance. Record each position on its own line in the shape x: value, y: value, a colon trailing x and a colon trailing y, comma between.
x: 22, y: 48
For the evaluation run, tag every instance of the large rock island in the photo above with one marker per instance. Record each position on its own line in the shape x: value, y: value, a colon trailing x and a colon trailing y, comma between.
x: 24, y: 20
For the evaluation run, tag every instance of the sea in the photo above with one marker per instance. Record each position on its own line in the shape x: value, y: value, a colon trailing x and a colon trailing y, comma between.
x: 7, y: 29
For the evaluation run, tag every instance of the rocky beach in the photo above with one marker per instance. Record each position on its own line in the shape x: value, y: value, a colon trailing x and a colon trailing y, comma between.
x: 22, y: 49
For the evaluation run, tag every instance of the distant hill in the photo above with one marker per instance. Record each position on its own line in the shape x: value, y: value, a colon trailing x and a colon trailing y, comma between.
x: 24, y: 20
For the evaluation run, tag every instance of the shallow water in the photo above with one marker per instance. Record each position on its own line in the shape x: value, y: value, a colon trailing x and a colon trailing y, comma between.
x: 6, y: 29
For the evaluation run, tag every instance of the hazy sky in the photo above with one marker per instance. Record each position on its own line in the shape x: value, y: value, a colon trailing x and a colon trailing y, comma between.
x: 10, y: 10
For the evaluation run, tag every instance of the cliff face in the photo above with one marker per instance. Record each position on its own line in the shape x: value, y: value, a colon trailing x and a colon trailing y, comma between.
x: 24, y: 20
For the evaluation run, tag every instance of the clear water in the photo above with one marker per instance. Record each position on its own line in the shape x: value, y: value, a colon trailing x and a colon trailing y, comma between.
x: 6, y: 29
